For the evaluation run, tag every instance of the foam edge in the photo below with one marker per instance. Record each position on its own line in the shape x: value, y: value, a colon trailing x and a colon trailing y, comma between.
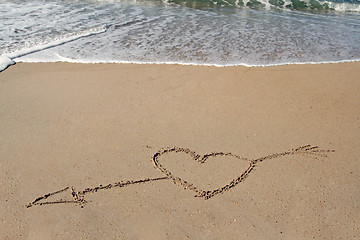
x: 5, y: 62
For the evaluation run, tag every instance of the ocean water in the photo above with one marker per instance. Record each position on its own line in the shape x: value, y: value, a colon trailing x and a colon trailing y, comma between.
x: 204, y: 32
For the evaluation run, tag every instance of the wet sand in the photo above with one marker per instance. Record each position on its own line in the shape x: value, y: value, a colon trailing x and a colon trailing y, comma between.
x: 131, y: 145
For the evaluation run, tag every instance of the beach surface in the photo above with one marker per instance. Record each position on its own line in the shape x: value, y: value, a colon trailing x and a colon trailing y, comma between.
x: 85, y: 125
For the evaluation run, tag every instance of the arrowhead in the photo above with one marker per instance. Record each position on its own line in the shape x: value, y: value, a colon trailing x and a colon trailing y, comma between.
x: 65, y: 195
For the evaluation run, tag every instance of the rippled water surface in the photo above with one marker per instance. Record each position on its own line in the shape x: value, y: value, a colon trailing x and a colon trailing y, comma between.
x: 176, y: 31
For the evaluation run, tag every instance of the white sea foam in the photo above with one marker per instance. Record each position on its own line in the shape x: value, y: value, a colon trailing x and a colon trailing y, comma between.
x: 344, y: 7
x: 55, y: 57
x: 5, y: 62
x: 57, y: 41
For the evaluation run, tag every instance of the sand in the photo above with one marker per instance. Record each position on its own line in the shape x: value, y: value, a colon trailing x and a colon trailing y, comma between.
x: 145, y: 132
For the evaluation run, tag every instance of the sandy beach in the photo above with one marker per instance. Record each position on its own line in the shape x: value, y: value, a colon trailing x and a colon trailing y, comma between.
x: 274, y: 149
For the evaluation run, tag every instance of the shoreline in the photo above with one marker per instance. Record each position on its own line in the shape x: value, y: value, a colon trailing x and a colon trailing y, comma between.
x: 73, y: 129
x: 192, y: 64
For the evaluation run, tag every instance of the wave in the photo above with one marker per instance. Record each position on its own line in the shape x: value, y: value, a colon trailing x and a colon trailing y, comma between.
x: 56, y: 41
x: 6, y: 59
x: 57, y: 58
x: 305, y: 5
x: 147, y: 31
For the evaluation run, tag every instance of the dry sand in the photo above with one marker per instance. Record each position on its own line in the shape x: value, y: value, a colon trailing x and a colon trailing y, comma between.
x: 82, y: 125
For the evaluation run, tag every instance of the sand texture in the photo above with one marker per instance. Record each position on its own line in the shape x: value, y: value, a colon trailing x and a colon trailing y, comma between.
x: 126, y: 151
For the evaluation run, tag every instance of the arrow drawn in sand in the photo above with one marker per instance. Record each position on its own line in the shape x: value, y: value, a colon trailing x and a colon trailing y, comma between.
x: 78, y: 197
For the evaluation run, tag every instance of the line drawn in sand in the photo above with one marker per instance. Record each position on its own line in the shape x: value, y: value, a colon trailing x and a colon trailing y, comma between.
x: 78, y: 197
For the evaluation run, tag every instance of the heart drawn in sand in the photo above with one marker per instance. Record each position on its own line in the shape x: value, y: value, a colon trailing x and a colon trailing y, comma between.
x: 201, y: 159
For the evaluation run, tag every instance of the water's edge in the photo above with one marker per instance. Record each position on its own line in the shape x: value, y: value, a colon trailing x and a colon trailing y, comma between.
x: 135, y: 32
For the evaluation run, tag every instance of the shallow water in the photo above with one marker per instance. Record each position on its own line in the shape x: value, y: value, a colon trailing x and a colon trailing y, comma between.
x: 195, y: 32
